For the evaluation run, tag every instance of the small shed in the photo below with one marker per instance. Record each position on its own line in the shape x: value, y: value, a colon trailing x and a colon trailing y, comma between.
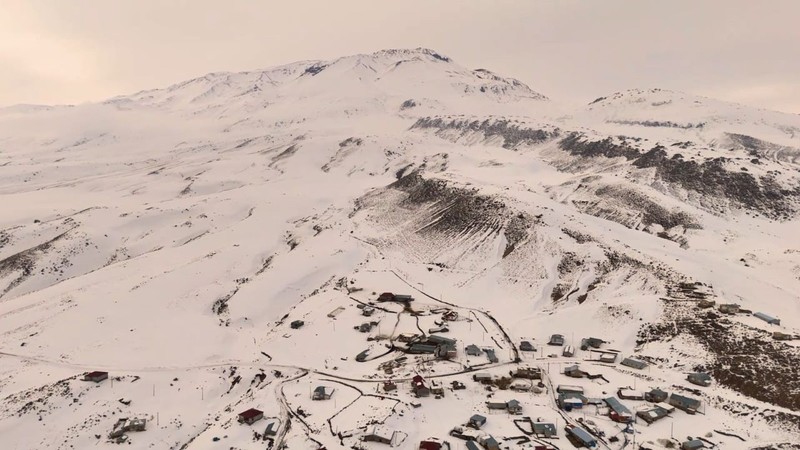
x: 526, y: 346
x: 365, y: 327
x: 634, y: 363
x: 693, y: 444
x: 296, y: 324
x: 529, y: 373
x: 368, y: 311
x: 569, y: 351
x: 491, y: 355
x: 476, y: 421
x: 250, y: 416
x: 699, y: 378
x: 496, y: 405
x: 95, y: 376
x: 389, y: 386
x: 767, y: 318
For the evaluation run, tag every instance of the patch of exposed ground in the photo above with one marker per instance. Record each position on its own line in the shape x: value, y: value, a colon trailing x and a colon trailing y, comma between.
x: 744, y: 359
x: 708, y: 178
x: 511, y: 133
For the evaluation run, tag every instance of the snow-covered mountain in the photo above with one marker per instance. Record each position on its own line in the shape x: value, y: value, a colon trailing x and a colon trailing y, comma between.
x: 170, y: 237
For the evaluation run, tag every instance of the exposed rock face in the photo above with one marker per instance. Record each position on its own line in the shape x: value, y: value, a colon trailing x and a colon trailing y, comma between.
x: 709, y: 178
x: 512, y: 134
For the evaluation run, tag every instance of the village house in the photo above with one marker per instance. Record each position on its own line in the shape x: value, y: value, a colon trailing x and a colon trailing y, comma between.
x: 431, y: 445
x: 322, y: 393
x: 473, y: 350
x: 296, y: 324
x: 706, y: 304
x: 389, y: 386
x: 699, y: 378
x: 570, y: 400
x: 634, y: 363
x: 767, y: 318
x: 476, y: 421
x: 580, y: 437
x: 629, y: 394
x: 250, y: 416
x: 729, y: 308
x: 778, y: 336
x: 609, y: 358
x: 544, y: 430
x: 389, y: 297
x: 95, y: 376
x: 419, y: 388
x: 272, y: 428
x: 656, y: 396
x: 686, y: 404
x: 556, y: 339
x: 591, y: 342
x: 567, y: 389
x: 489, y: 443
x: 513, y: 407
x: 446, y: 351
x: 569, y: 351
x: 526, y: 346
x: 528, y: 373
x: 422, y: 348
x: 471, y: 445
x: 574, y: 372
x: 521, y: 385
x: 496, y: 405
x: 618, y: 411
x: 652, y: 414
x: 380, y: 434
x: 482, y: 377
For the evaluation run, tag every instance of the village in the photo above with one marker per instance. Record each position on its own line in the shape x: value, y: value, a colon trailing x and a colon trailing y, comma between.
x: 438, y: 376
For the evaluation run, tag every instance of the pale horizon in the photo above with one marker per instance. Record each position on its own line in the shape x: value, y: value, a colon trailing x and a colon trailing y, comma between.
x: 572, y: 52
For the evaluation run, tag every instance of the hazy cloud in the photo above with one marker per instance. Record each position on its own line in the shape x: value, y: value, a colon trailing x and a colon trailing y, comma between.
x: 54, y: 51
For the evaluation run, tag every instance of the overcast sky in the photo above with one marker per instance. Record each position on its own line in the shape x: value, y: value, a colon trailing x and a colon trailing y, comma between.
x: 72, y: 51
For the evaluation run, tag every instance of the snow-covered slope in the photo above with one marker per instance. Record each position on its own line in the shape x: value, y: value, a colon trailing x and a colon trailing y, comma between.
x: 170, y: 237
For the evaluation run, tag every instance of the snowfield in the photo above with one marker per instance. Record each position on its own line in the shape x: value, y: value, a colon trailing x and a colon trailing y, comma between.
x: 173, y: 237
